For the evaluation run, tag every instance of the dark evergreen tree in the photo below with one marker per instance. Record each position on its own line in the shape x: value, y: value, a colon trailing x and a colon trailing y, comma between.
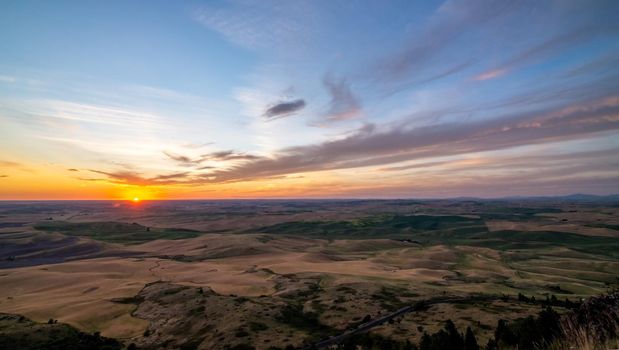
x: 409, y: 346
x: 454, y: 338
x: 503, y: 334
x: 548, y: 324
x: 527, y: 333
x: 470, y: 342
x: 491, y: 345
x: 426, y: 342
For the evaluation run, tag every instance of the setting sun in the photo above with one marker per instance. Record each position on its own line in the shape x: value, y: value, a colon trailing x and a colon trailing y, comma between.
x: 136, y: 199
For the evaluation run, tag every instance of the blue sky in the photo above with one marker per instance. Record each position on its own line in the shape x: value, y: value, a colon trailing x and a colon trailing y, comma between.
x: 243, y: 98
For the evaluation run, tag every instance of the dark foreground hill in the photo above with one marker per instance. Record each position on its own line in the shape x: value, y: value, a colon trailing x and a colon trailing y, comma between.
x: 18, y: 332
x: 592, y: 324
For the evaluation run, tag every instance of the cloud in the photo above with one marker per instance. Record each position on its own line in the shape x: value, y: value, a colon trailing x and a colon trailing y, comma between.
x: 134, y: 178
x: 425, y: 79
x: 3, y: 176
x: 429, y: 49
x: 259, y: 24
x: 343, y: 104
x: 15, y: 165
x: 495, y: 73
x: 549, y: 47
x: 183, y: 160
x: 415, y: 166
x: 284, y: 109
x: 96, y: 114
x: 474, y: 35
x: 372, y: 146
x: 520, y: 163
x: 7, y: 79
x: 9, y: 164
x: 219, y: 156
x: 196, y: 145
x: 72, y: 169
x: 228, y: 155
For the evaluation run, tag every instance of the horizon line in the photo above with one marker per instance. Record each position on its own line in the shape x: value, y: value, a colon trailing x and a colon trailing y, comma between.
x: 316, y: 198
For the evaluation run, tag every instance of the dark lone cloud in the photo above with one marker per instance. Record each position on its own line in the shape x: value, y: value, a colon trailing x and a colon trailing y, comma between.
x: 72, y: 169
x: 3, y: 176
x: 284, y: 109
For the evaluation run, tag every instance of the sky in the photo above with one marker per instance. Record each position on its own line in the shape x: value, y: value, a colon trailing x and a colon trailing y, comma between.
x: 308, y: 99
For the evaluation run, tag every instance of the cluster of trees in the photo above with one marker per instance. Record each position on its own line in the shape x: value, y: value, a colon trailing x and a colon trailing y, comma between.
x: 551, y: 300
x: 523, y: 334
x: 527, y: 333
x: 449, y: 338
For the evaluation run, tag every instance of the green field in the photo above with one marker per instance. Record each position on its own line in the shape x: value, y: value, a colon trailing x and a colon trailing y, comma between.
x: 115, y: 232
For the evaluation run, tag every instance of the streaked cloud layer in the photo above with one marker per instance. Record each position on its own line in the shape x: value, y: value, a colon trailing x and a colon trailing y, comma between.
x: 247, y: 98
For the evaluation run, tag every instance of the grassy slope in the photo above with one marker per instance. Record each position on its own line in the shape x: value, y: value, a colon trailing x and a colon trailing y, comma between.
x: 396, y: 226
x: 18, y: 332
x: 451, y: 230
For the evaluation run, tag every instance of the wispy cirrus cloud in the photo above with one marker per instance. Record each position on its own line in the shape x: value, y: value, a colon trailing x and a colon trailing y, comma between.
x: 7, y: 79
x: 9, y: 164
x: 491, y: 74
x: 183, y: 159
x: 229, y: 155
x: 133, y: 178
x: 438, y: 50
x: 217, y: 156
x: 196, y: 145
x: 343, y: 104
x: 91, y: 113
x: 259, y: 24
x: 552, y: 46
x: 429, y: 55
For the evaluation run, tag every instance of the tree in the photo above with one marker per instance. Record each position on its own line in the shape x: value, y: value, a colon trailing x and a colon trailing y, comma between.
x: 503, y: 334
x: 454, y: 340
x: 470, y: 342
x: 491, y: 345
x: 446, y: 338
x: 548, y: 324
x: 527, y: 333
x: 426, y: 342
x: 408, y: 346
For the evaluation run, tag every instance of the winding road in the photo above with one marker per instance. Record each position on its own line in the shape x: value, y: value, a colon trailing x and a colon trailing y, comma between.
x: 419, y: 306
